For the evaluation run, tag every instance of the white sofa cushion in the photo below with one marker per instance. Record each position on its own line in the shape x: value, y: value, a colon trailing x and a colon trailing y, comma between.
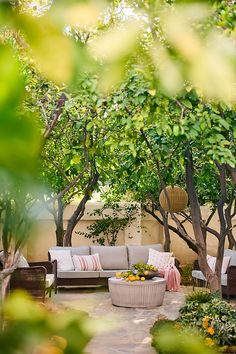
x: 199, y: 275
x: 159, y: 259
x: 111, y: 257
x: 139, y: 253
x: 73, y: 274
x: 90, y: 262
x: 49, y: 280
x: 64, y: 259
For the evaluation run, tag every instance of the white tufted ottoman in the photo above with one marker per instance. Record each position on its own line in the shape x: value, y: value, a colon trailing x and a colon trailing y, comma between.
x: 148, y: 293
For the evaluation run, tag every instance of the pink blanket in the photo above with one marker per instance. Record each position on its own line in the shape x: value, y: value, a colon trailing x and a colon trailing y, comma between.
x: 172, y: 277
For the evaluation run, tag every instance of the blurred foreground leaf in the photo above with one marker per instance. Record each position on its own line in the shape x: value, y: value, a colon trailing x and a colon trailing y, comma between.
x: 31, y: 328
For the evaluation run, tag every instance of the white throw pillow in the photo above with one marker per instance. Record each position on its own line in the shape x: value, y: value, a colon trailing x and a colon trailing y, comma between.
x: 2, y: 257
x: 212, y: 263
x: 22, y: 262
x: 64, y: 259
x: 158, y: 259
x: 91, y: 262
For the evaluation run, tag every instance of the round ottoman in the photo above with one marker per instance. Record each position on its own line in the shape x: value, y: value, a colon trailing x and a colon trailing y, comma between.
x: 148, y: 293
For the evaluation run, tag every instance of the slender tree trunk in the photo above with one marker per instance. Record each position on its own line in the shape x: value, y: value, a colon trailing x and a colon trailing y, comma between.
x: 223, y: 226
x: 228, y: 217
x: 167, y: 240
x: 59, y: 222
x: 212, y: 278
x: 79, y: 211
x: 74, y: 219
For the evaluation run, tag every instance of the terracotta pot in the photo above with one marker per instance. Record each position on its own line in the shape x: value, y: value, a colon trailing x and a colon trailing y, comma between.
x: 178, y: 199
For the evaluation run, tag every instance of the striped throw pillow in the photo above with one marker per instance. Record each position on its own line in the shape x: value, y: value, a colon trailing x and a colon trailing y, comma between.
x: 87, y: 262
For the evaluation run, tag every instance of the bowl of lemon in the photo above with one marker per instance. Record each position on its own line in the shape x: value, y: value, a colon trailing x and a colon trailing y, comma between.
x: 139, y: 272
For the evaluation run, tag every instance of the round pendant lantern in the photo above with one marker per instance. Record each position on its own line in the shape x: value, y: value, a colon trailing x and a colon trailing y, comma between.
x: 178, y: 198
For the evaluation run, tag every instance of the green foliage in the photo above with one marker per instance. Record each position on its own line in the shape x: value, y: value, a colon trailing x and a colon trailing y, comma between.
x: 139, y: 271
x: 186, y: 274
x: 200, y: 297
x: 31, y: 328
x: 167, y: 339
x: 212, y: 317
x: 114, y: 218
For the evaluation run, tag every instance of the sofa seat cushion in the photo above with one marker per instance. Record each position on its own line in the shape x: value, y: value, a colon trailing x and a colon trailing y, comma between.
x: 111, y: 257
x: 198, y: 275
x: 49, y: 280
x: 78, y: 274
x: 139, y: 254
x: 81, y: 251
x: 111, y: 273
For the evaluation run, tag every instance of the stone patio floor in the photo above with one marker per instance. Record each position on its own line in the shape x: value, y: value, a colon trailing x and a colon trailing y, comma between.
x: 126, y: 329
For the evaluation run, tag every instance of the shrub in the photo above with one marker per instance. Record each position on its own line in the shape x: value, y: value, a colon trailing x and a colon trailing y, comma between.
x: 167, y: 339
x: 212, y: 317
x: 186, y: 274
x: 206, y: 324
x: 200, y: 297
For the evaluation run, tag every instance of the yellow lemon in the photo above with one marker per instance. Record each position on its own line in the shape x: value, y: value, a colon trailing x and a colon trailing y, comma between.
x: 137, y: 277
x: 142, y: 278
x: 118, y: 275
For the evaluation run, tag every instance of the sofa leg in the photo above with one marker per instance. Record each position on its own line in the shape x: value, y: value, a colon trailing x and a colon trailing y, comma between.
x: 193, y: 282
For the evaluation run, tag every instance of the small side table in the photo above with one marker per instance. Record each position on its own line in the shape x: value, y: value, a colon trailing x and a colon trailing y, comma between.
x: 148, y: 293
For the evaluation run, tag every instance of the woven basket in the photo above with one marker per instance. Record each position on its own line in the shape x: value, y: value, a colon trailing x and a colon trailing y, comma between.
x: 178, y: 198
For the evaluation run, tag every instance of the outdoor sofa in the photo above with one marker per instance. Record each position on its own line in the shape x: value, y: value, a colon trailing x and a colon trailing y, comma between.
x: 113, y: 259
x: 228, y: 279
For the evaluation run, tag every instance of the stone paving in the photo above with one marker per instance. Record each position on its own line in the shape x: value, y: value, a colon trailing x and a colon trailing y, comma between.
x: 125, y: 330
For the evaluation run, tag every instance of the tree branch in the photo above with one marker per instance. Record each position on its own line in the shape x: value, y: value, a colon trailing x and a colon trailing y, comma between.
x: 55, y: 116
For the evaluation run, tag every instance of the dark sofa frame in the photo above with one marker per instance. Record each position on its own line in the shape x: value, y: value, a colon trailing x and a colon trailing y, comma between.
x: 228, y: 290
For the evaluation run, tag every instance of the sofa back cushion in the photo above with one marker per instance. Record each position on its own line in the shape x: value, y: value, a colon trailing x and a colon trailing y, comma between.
x: 212, y: 263
x: 139, y: 254
x: 80, y: 251
x: 111, y: 257
x: 232, y: 255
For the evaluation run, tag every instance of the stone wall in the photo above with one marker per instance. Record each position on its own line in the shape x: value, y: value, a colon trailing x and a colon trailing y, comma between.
x: 144, y: 230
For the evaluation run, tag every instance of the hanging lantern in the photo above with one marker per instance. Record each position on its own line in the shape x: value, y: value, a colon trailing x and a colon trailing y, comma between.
x: 178, y: 199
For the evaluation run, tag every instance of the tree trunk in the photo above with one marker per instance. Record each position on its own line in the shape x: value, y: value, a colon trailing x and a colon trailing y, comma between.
x: 213, y: 279
x: 228, y: 217
x: 59, y: 222
x: 74, y: 219
x: 223, y: 227
x: 167, y: 240
x: 79, y: 211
